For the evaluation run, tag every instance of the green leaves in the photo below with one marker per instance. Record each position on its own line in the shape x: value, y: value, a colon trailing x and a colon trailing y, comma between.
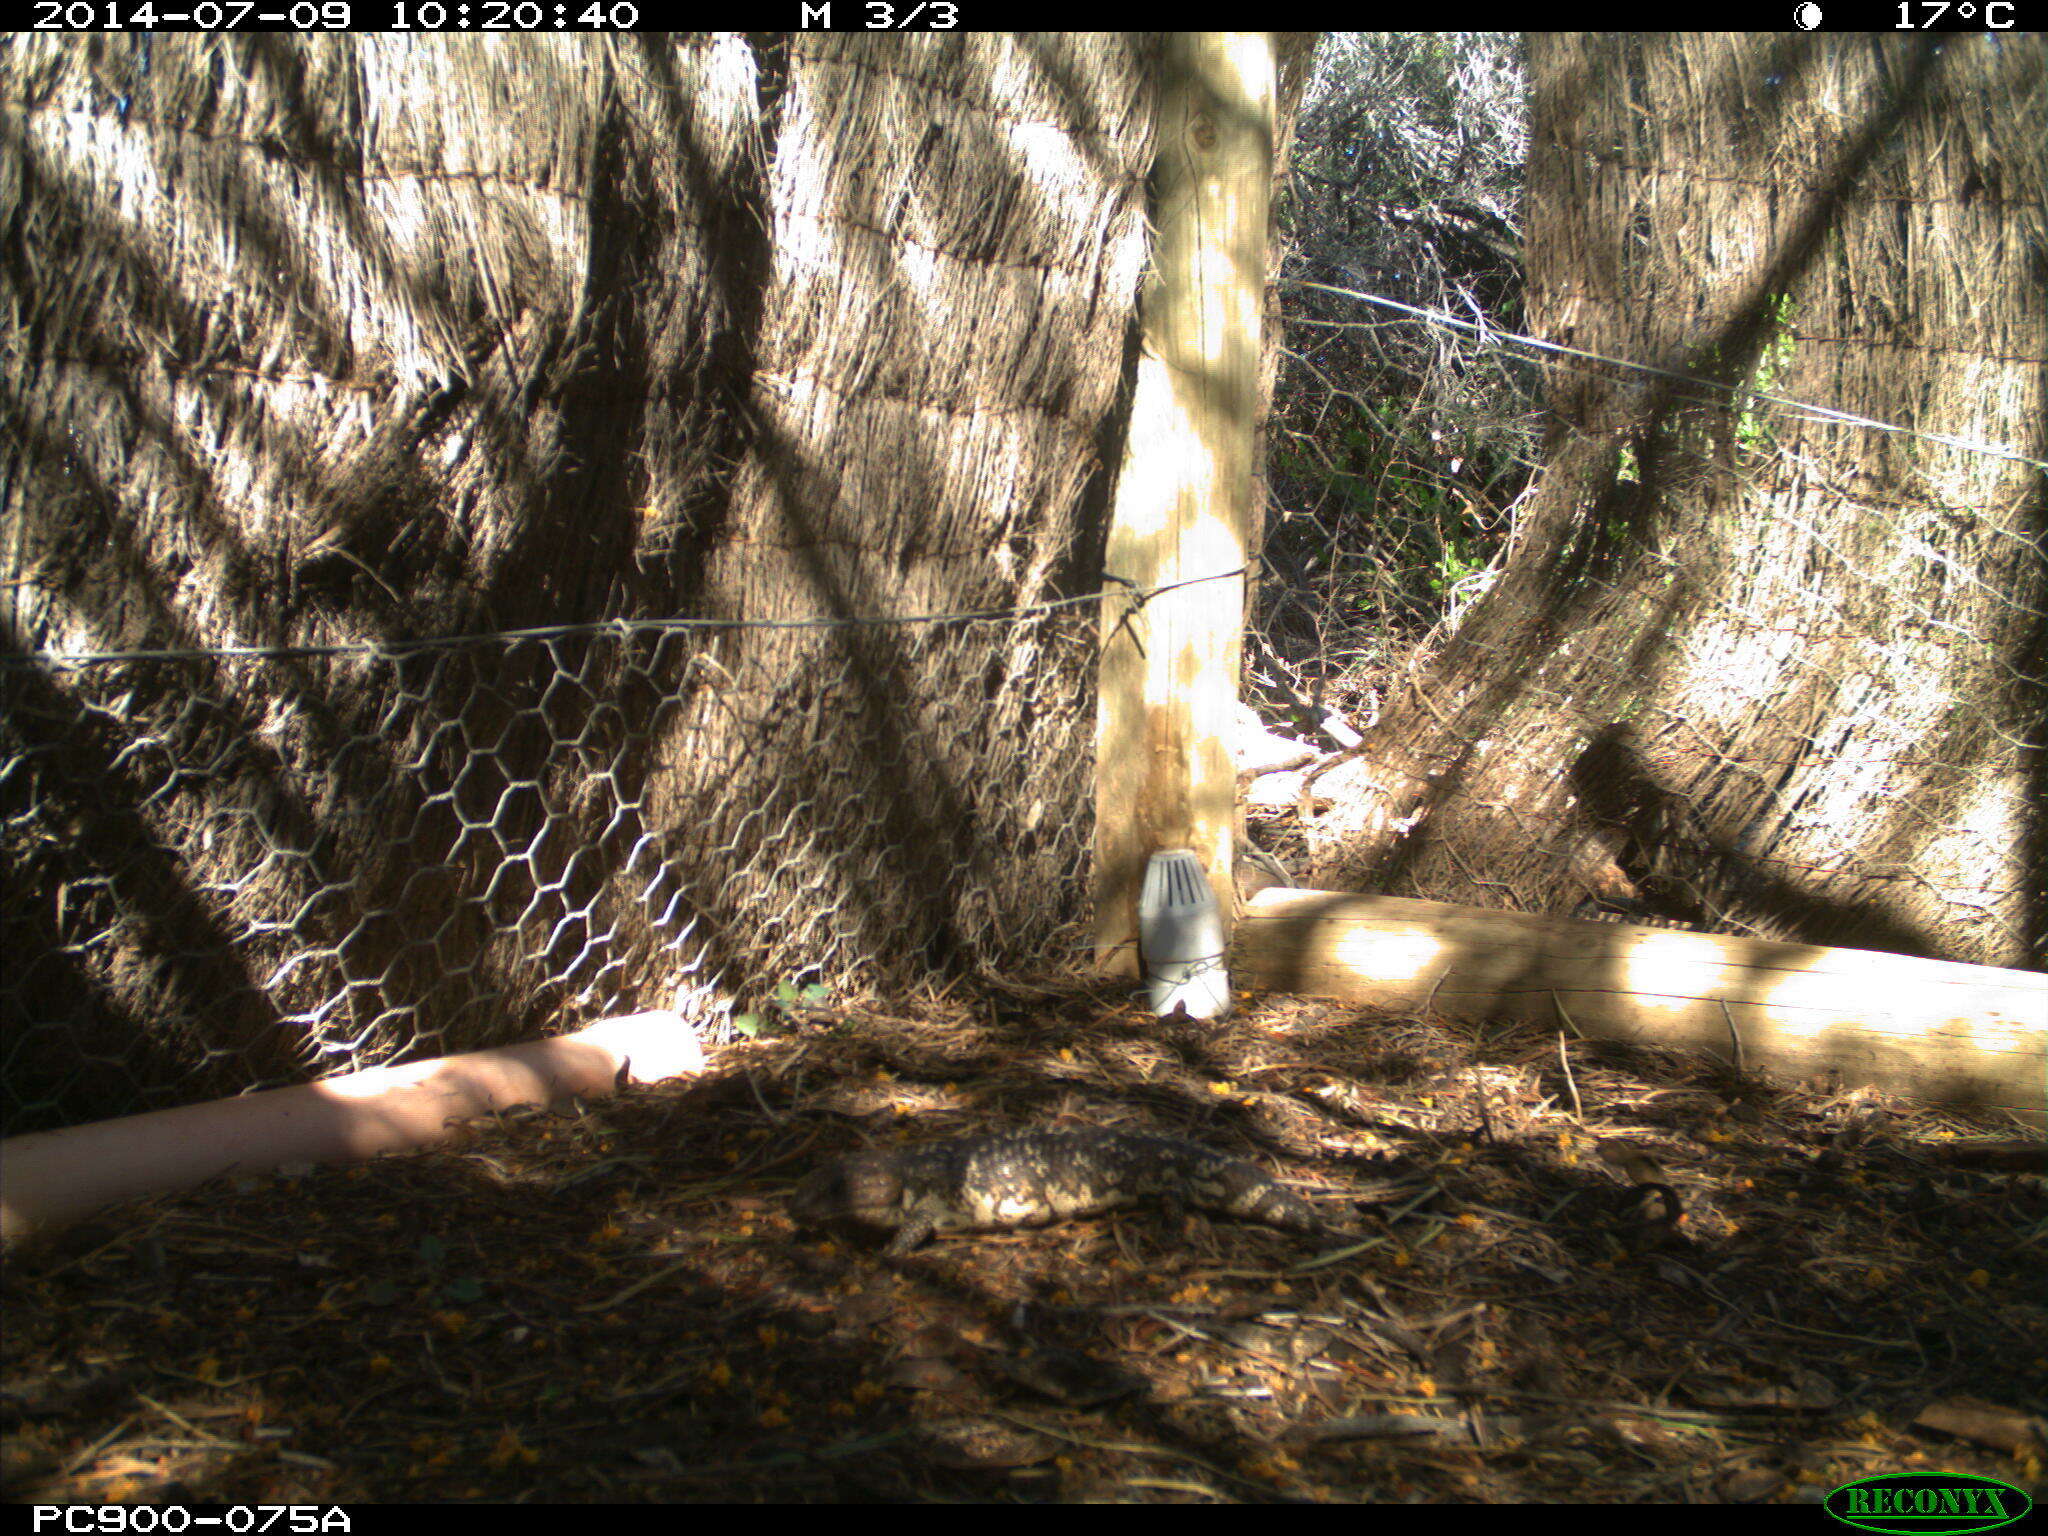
x: 785, y: 1004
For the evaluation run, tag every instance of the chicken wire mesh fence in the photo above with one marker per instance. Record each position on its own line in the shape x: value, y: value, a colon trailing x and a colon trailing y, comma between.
x: 229, y: 869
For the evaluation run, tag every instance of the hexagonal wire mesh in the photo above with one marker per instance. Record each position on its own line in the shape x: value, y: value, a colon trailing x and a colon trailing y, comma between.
x: 228, y: 869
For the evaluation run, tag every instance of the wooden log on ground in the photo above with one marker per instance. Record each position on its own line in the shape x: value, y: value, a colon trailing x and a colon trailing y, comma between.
x: 1967, y: 1035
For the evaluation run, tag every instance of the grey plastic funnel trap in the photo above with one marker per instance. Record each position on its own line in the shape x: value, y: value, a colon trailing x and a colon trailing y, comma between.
x: 1180, y: 935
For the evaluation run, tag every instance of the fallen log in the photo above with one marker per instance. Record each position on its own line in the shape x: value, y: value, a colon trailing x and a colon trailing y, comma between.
x: 1973, y: 1036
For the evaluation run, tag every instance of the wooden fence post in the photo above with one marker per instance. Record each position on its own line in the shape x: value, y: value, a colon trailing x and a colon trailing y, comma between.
x: 1164, y: 777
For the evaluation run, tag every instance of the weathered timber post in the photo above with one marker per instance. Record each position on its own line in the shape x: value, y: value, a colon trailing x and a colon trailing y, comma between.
x: 1183, y: 501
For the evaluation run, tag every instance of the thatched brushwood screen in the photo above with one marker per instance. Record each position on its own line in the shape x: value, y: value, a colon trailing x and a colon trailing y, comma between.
x: 321, y: 350
x: 1752, y: 667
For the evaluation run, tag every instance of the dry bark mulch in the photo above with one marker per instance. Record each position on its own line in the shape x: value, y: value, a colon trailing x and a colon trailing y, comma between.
x: 1602, y: 1274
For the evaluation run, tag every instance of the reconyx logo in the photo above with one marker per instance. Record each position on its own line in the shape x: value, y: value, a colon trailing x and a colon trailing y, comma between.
x: 1949, y: 1503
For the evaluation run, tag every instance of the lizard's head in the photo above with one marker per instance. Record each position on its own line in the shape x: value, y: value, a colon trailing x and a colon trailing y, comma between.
x: 846, y: 1187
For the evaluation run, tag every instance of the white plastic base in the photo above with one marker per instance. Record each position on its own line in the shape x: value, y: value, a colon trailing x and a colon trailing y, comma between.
x: 1180, y: 935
